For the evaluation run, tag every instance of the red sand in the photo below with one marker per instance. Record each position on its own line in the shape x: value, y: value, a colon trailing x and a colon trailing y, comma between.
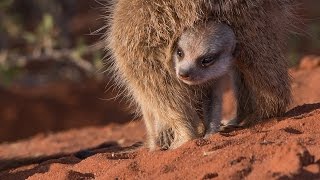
x: 282, y: 148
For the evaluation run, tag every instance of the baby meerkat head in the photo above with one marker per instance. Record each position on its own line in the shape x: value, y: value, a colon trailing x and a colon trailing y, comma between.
x: 204, y: 53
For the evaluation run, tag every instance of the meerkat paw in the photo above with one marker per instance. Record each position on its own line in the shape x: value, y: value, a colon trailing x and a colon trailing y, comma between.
x: 181, y: 139
x: 212, y: 129
x: 228, y: 126
x: 166, y: 138
x: 210, y: 132
x: 169, y: 139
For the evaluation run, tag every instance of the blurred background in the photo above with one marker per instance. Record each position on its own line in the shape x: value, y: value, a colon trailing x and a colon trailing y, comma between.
x: 51, y: 68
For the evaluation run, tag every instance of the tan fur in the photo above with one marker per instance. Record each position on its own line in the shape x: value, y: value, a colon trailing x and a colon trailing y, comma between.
x: 141, y: 39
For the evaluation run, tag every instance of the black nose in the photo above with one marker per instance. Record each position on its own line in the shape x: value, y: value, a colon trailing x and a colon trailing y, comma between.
x: 184, y: 74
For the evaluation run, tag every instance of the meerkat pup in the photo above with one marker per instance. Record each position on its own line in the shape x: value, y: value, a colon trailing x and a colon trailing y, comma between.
x: 204, y: 56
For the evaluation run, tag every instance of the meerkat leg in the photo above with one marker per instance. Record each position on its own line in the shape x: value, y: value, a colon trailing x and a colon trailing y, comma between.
x: 260, y: 95
x: 163, y: 134
x: 168, y: 126
x: 271, y: 91
x: 172, y: 134
x: 158, y: 133
x: 244, y: 101
x: 213, y: 108
x: 166, y: 135
x: 183, y: 132
x: 150, y: 127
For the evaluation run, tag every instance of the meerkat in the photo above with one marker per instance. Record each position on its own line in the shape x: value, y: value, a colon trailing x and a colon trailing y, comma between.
x: 141, y: 37
x: 203, y: 56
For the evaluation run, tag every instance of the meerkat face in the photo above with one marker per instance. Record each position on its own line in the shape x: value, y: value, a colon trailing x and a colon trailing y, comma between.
x: 204, y: 53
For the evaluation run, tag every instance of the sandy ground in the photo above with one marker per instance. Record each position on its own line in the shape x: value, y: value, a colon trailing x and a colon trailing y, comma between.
x: 282, y: 148
x: 26, y: 111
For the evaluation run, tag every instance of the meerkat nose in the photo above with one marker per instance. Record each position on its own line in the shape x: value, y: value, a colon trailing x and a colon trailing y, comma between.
x: 184, y: 74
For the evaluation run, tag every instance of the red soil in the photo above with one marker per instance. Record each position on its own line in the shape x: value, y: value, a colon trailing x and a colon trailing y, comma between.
x: 26, y: 111
x: 281, y: 148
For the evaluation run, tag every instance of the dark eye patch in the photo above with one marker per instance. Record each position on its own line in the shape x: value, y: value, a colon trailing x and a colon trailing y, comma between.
x: 208, y: 59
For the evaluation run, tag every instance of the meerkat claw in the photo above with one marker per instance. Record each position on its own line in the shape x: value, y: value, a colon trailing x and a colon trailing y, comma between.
x: 166, y: 138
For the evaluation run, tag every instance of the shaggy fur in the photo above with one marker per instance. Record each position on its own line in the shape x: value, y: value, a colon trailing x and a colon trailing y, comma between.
x: 141, y: 39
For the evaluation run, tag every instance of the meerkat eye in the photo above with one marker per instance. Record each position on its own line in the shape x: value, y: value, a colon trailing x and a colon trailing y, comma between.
x: 206, y: 62
x: 209, y: 60
x: 180, y: 52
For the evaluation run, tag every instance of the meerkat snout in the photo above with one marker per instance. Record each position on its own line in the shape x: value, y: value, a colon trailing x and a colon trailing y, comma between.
x: 184, y: 74
x: 204, y: 53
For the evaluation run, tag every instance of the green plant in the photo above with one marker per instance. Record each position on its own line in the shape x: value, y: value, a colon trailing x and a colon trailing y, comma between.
x: 44, y: 36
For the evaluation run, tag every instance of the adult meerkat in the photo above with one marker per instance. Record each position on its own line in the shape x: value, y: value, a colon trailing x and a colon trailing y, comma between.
x: 141, y: 39
x: 203, y: 56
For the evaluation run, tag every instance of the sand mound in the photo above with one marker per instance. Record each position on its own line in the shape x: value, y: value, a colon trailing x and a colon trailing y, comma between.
x: 281, y: 148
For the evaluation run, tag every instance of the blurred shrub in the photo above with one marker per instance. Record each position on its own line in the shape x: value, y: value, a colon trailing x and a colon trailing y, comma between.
x: 38, y: 30
x: 31, y: 29
x: 43, y: 38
